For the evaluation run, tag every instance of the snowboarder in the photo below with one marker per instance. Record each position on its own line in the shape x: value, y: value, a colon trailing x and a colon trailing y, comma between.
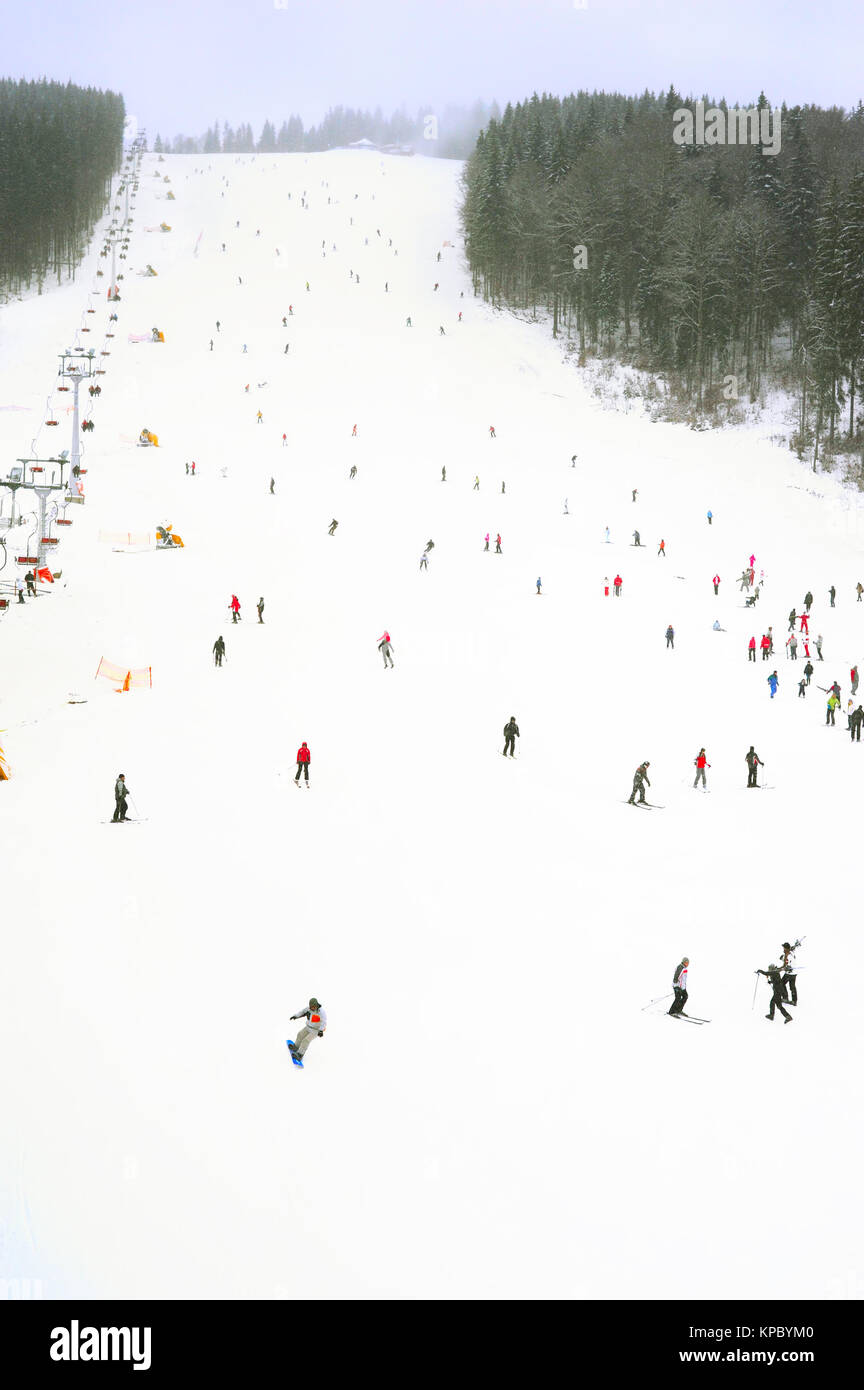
x: 218, y: 650
x: 316, y: 1022
x: 679, y: 985
x: 331, y: 530
x: 616, y: 584
x: 670, y: 636
x: 772, y: 975
x: 640, y: 780
x: 385, y: 648
x: 511, y: 733
x: 304, y: 758
x: 121, y: 791
x: 261, y: 610
x: 716, y: 582
x: 753, y: 762
x: 235, y: 608
x: 701, y: 762
x: 773, y: 681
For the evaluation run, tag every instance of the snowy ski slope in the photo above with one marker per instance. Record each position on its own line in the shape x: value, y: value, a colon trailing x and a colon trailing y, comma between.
x: 491, y: 1113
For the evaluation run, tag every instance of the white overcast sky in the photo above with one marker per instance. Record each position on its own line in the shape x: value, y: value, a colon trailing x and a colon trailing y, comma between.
x: 182, y: 64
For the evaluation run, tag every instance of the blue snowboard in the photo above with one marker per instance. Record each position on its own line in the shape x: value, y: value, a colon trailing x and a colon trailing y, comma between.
x: 298, y: 1061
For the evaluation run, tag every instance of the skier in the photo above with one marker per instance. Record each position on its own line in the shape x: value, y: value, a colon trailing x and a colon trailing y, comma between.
x: 616, y: 584
x: 235, y: 608
x: 789, y: 979
x: 332, y: 527
x: 716, y: 582
x: 833, y: 702
x: 607, y: 535
x: 859, y: 589
x: 808, y: 671
x: 511, y: 733
x: 503, y: 487
x: 701, y: 762
x: 772, y: 974
x: 385, y: 648
x: 260, y: 417
x: 304, y: 758
x: 751, y: 649
x: 670, y: 637
x: 819, y: 647
x: 492, y: 434
x: 743, y: 581
x: 662, y: 550
x: 218, y: 650
x: 679, y: 984
x: 792, y: 645
x: 316, y: 1022
x: 121, y: 791
x: 261, y: 610
x: 424, y: 561
x: 640, y: 778
x: 192, y: 468
x: 710, y: 516
x: 443, y: 475
x: 539, y: 581
x: 353, y: 473
x: 856, y: 719
x: 272, y: 485
x: 753, y: 762
x: 635, y: 490
x: 498, y: 544
x: 802, y: 688
x: 354, y: 431
x: 486, y: 546
x: 476, y: 487
x: 408, y: 322
x: 793, y: 618
x: 854, y: 678
x: 430, y: 545
x: 636, y: 539
x: 30, y: 581
x: 19, y: 588
x: 773, y: 681
x: 765, y: 645
x: 832, y: 592
x: 805, y: 623
x: 808, y: 600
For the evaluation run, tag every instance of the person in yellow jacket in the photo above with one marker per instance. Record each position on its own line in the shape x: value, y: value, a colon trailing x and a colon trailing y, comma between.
x: 833, y: 702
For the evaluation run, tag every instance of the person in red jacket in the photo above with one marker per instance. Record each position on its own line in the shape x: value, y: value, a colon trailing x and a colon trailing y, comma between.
x: 617, y: 582
x: 765, y: 644
x: 304, y: 757
x: 701, y: 764
x: 716, y: 582
x: 235, y: 608
x: 751, y: 649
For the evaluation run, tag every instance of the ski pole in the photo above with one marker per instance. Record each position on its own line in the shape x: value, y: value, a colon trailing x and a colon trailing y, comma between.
x: 755, y: 987
x: 658, y: 1000
x: 135, y: 805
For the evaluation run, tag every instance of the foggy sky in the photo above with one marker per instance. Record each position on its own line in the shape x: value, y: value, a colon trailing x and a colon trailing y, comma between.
x: 183, y: 64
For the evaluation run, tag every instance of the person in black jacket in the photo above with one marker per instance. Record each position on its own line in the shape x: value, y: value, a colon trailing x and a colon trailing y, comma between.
x: 772, y: 974
x: 218, y: 650
x: 511, y: 733
x: 856, y: 719
x: 670, y: 636
x: 121, y: 791
x: 753, y: 761
x: 640, y: 777
x: 679, y: 984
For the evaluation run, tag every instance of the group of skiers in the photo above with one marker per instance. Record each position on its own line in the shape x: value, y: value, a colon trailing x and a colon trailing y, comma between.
x: 782, y: 977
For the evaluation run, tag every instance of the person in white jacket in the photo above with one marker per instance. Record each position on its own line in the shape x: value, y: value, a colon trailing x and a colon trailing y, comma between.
x: 316, y: 1022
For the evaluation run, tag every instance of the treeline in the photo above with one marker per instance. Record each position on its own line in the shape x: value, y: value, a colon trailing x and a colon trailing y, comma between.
x: 59, y: 146
x: 701, y: 263
x: 449, y: 134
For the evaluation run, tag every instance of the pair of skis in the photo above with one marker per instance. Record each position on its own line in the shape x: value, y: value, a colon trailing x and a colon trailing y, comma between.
x: 689, y: 1018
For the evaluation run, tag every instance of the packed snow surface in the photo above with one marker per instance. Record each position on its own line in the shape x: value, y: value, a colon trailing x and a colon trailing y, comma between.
x: 491, y: 1113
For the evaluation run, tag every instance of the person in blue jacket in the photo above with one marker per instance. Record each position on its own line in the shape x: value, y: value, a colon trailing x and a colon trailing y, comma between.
x: 710, y: 516
x: 773, y: 681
